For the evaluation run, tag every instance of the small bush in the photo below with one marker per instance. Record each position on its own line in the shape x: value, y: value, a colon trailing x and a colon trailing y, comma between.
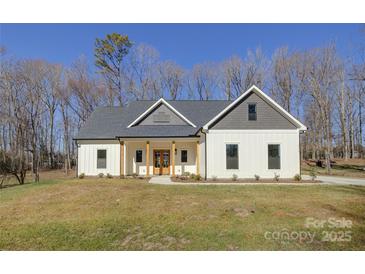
x: 276, y: 177
x: 234, y: 177
x: 192, y: 176
x: 109, y: 176
x: 257, y: 177
x: 186, y: 174
x: 82, y: 176
x: 101, y: 175
x: 297, y: 177
x: 198, y: 177
x: 313, y: 174
x: 214, y: 178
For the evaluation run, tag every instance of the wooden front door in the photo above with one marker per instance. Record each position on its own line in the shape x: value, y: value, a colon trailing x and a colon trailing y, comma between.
x: 161, y: 162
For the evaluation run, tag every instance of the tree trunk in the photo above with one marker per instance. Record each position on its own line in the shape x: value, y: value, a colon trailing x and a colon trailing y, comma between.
x: 51, y: 145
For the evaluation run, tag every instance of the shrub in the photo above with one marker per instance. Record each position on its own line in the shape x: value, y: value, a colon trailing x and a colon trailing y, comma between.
x: 108, y: 175
x: 192, y: 176
x: 82, y: 176
x: 214, y: 178
x: 297, y: 177
x: 186, y: 174
x: 276, y: 177
x: 234, y: 177
x: 101, y: 175
x: 257, y: 177
x: 313, y: 174
x: 198, y: 177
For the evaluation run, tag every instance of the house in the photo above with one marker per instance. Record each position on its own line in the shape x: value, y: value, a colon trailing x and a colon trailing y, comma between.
x: 250, y: 135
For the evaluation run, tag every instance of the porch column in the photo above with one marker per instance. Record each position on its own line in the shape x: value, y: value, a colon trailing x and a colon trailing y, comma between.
x: 148, y: 158
x: 173, y: 158
x: 197, y: 158
x: 122, y: 173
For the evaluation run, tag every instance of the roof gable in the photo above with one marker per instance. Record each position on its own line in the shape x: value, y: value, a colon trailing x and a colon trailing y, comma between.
x: 265, y: 97
x: 161, y: 115
x: 156, y: 105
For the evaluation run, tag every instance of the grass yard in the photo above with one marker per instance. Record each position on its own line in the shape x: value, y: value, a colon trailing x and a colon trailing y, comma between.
x: 350, y: 168
x: 129, y: 214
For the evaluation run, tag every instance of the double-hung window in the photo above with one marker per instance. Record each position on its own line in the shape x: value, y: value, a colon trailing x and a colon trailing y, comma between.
x: 231, y: 156
x: 274, y: 156
x: 101, y: 158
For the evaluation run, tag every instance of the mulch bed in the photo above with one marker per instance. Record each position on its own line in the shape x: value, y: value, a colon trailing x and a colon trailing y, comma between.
x: 261, y: 181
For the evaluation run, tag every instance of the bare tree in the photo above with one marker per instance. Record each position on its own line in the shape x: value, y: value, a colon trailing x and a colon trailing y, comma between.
x: 142, y: 73
x: 322, y: 79
x: 172, y: 79
x: 284, y: 73
x: 255, y: 66
x: 203, y: 81
x: 50, y: 89
x: 84, y: 92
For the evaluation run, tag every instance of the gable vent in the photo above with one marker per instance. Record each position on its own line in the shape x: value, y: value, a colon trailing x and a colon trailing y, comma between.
x: 161, y: 117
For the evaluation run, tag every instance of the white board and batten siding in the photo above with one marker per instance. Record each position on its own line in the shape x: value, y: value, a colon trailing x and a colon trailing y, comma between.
x: 87, y: 157
x: 253, y: 153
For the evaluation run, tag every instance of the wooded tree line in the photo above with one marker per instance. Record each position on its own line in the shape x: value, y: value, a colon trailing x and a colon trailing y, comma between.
x: 43, y: 105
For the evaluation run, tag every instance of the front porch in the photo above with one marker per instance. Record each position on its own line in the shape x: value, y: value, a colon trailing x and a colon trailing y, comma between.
x: 159, y: 156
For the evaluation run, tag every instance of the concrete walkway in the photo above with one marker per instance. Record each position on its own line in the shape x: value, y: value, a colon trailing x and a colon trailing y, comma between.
x: 338, y: 180
x: 161, y: 180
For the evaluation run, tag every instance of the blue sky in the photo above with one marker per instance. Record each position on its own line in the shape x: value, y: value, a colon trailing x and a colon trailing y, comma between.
x: 187, y: 44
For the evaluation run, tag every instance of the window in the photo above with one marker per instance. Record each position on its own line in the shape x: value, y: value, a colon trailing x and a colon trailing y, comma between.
x: 101, y: 161
x: 252, y: 112
x: 232, y: 156
x: 138, y: 156
x: 184, y: 156
x: 274, y: 156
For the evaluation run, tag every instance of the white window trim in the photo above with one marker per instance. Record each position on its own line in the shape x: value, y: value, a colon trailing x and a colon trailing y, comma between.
x: 238, y: 155
x: 267, y: 156
x: 161, y: 100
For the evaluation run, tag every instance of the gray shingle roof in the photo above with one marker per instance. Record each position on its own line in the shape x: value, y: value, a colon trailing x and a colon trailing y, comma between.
x: 109, y: 122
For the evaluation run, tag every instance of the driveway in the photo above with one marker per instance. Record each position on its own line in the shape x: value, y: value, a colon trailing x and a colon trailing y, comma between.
x: 338, y: 180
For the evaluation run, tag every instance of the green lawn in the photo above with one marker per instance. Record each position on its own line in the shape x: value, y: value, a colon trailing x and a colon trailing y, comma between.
x: 114, y: 214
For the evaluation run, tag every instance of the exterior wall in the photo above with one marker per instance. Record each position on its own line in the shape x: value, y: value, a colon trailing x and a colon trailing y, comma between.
x: 141, y: 168
x: 87, y: 157
x: 152, y: 118
x: 252, y: 152
x: 267, y: 116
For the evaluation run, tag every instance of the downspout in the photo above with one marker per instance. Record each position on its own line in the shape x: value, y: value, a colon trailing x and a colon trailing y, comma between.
x: 205, y: 155
x: 77, y: 159
x: 300, y: 153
